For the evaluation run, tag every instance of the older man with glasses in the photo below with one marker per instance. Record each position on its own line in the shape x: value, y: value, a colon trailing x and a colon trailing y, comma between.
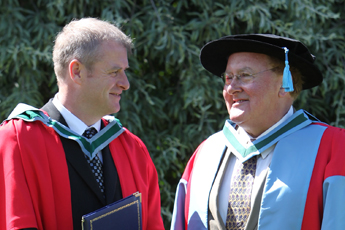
x: 271, y: 167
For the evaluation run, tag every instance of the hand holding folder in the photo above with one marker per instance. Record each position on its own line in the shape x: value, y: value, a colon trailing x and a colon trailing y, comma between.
x: 124, y: 214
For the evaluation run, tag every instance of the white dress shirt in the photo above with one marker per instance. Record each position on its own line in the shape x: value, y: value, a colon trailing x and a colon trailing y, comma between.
x: 74, y: 123
x: 263, y: 161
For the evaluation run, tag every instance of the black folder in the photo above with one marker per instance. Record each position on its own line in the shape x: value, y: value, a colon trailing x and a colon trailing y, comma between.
x: 124, y: 214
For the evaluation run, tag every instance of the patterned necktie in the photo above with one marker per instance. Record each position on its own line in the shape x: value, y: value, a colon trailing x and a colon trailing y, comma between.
x: 240, y: 193
x: 95, y: 163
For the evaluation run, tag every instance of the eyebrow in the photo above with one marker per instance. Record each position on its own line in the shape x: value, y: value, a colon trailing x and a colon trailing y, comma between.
x: 246, y: 68
x: 114, y: 68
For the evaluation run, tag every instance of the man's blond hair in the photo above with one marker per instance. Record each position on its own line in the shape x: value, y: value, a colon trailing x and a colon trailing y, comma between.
x: 80, y: 39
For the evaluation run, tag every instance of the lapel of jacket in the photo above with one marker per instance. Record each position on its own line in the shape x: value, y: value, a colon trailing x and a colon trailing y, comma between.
x: 253, y: 218
x: 111, y: 179
x: 216, y: 221
x: 109, y: 171
x: 74, y: 155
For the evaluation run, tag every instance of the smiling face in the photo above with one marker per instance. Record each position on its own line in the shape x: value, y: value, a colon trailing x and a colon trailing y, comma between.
x: 102, y: 88
x: 260, y: 103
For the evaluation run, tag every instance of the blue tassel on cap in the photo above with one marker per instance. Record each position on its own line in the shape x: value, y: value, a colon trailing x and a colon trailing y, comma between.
x: 287, y: 78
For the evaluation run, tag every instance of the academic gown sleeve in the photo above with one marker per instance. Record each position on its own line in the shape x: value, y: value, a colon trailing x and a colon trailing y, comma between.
x: 34, y: 179
x: 325, y: 205
x: 181, y: 205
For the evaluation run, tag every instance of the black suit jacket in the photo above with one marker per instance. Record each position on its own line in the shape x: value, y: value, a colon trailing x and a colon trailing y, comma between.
x: 86, y: 196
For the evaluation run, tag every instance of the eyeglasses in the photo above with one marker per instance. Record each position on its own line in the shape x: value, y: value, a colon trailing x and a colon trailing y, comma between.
x: 243, y: 78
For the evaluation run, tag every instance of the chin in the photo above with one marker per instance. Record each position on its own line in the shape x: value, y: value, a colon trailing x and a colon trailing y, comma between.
x: 116, y: 110
x: 113, y: 111
x: 236, y: 115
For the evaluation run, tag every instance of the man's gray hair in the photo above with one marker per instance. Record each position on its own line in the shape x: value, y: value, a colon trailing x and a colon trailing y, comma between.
x: 80, y: 39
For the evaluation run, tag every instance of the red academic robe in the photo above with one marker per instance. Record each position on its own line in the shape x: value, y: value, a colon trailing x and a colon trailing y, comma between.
x: 34, y: 182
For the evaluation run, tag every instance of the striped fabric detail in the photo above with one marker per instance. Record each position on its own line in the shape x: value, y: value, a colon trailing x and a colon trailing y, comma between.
x: 297, y: 121
x: 89, y: 146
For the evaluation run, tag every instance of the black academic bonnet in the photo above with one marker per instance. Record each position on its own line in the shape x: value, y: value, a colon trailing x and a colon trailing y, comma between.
x: 214, y: 55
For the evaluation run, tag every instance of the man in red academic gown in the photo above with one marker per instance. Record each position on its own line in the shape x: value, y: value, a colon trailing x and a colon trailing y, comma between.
x: 48, y: 177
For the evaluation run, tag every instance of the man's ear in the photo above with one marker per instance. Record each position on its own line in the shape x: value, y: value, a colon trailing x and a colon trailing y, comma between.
x: 76, y: 70
x: 282, y: 92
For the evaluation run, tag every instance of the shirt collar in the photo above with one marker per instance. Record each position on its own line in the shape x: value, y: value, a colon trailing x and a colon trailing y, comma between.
x: 73, y: 122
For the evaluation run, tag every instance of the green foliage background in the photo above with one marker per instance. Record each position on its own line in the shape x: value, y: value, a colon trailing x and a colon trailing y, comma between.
x: 173, y: 103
